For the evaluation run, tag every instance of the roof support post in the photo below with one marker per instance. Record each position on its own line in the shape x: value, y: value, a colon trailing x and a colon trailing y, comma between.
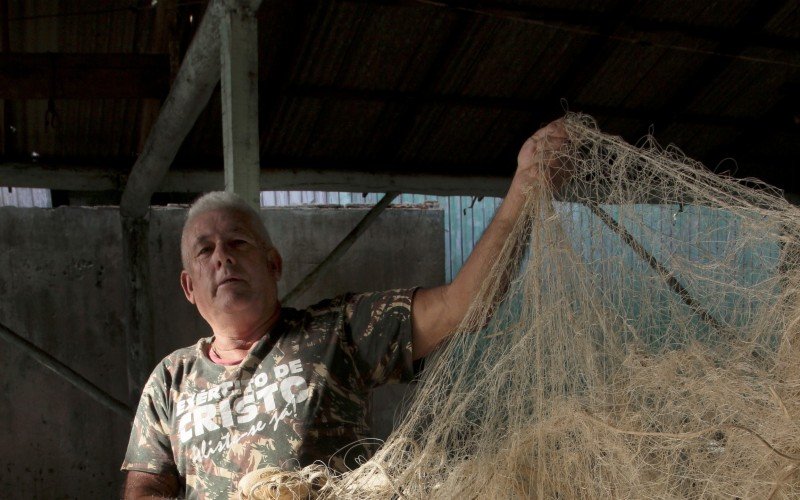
x: 190, y: 92
x: 189, y: 95
x: 341, y: 248
x: 139, y: 301
x: 239, y: 87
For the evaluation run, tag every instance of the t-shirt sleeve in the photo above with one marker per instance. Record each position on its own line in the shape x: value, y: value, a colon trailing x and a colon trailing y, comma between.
x: 379, y: 325
x: 149, y: 448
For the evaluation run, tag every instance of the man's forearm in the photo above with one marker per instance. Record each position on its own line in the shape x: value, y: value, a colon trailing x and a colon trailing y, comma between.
x: 436, y: 312
x: 445, y: 306
x: 468, y: 281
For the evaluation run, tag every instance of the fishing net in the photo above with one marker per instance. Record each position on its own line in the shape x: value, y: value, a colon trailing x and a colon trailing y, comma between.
x: 638, y: 339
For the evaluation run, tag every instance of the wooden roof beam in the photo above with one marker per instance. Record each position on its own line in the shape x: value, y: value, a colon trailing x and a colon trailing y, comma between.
x: 240, y: 140
x: 65, y: 372
x: 197, y: 77
x: 291, y: 177
x: 287, y: 177
x: 340, y: 249
x: 189, y: 95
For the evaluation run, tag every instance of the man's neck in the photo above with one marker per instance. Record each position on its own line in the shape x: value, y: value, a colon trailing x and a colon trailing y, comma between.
x: 240, y: 335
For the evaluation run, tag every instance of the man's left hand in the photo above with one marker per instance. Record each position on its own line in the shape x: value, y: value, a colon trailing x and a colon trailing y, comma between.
x: 538, y: 162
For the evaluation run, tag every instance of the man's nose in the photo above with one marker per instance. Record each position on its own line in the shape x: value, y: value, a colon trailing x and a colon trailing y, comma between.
x: 223, y: 256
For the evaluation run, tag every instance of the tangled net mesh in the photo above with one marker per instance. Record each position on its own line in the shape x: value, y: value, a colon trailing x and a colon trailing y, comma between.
x: 639, y: 340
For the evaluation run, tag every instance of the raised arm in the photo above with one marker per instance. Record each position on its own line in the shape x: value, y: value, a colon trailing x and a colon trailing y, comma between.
x: 436, y: 312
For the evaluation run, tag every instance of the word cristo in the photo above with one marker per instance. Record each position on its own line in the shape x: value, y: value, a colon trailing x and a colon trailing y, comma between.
x: 221, y: 406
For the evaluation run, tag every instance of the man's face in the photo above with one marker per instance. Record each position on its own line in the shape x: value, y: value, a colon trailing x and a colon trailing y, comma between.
x: 229, y: 270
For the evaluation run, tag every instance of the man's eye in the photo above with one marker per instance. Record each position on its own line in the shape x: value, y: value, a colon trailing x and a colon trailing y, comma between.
x: 204, y: 251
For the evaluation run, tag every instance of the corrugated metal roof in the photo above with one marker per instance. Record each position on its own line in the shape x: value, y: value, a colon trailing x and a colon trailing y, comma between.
x: 422, y: 86
x: 701, y: 13
x: 786, y: 22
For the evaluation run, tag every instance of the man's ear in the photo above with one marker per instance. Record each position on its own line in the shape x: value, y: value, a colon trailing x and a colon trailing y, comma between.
x: 188, y: 287
x: 274, y: 263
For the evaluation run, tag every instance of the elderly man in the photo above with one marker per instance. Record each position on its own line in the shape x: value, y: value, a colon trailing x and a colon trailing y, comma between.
x: 278, y: 386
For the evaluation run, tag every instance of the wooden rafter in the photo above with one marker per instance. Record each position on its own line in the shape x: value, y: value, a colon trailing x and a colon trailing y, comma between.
x: 59, y: 368
x: 196, y: 80
x: 277, y: 177
x: 239, y: 88
x: 340, y: 249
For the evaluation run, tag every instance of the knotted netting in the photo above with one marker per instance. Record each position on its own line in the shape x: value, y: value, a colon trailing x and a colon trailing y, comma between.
x: 637, y: 338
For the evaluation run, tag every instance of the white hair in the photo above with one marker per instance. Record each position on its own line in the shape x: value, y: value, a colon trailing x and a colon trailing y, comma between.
x: 224, y: 200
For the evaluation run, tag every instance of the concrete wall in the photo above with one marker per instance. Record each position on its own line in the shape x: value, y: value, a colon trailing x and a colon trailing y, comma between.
x: 60, y: 287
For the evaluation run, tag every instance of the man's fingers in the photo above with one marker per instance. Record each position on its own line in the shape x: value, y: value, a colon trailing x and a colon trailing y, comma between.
x: 553, y: 134
x: 554, y: 129
x: 546, y: 140
x: 538, y: 158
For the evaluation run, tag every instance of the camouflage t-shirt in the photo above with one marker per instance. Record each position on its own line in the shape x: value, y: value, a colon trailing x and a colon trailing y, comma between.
x: 301, y: 395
